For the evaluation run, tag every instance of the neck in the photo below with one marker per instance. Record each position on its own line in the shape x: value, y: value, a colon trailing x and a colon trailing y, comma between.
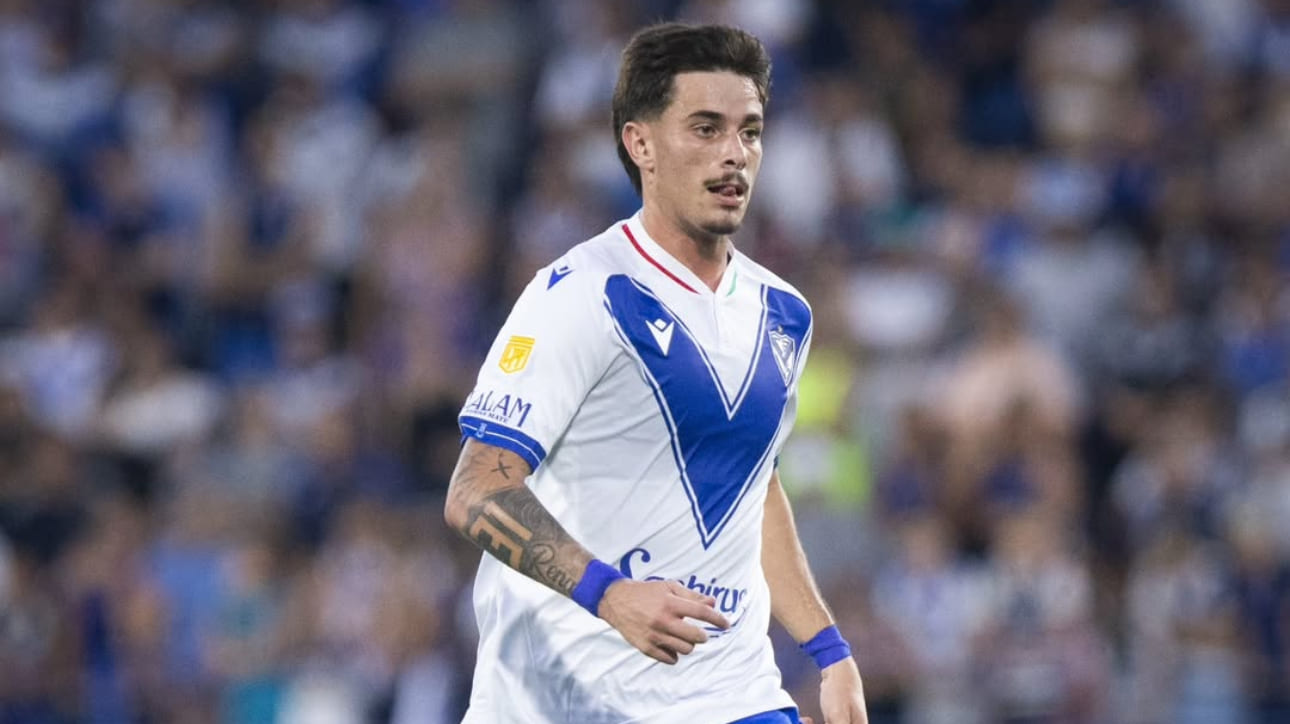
x: 707, y: 255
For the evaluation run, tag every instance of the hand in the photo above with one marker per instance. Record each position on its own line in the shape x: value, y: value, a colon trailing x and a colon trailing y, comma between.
x: 651, y: 616
x: 842, y: 694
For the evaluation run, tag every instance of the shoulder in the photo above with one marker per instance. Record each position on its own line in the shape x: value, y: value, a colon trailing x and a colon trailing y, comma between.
x: 569, y: 290
x: 583, y: 269
x: 761, y: 275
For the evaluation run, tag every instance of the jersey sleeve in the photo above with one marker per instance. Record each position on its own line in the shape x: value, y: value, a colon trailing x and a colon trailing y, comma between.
x: 553, y: 347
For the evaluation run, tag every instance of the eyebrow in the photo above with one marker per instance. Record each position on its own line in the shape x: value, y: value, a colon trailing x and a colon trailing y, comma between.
x: 718, y: 117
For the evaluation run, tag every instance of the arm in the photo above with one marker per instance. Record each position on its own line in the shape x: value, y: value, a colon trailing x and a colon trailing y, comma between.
x: 489, y: 504
x: 796, y: 603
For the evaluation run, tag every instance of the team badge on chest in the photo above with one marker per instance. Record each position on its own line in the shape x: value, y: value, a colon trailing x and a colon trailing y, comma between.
x: 785, y: 350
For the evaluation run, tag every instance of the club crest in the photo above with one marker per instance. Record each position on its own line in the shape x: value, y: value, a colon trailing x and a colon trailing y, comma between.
x: 785, y: 351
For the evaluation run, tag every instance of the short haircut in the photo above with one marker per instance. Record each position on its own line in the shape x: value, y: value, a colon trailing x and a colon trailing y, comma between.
x: 658, y: 53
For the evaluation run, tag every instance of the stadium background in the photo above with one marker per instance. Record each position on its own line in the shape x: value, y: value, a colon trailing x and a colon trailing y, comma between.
x: 251, y: 254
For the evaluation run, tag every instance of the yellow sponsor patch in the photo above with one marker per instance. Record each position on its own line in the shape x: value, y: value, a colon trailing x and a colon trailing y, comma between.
x: 516, y: 354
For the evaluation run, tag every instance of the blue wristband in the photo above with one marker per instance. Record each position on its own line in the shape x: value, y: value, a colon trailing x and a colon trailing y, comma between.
x: 827, y: 647
x: 595, y: 581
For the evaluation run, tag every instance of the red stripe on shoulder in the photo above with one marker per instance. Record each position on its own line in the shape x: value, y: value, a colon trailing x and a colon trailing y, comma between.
x: 651, y: 260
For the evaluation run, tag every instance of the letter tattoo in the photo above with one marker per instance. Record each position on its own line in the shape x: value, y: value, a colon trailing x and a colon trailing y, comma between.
x: 513, y: 525
x: 494, y: 530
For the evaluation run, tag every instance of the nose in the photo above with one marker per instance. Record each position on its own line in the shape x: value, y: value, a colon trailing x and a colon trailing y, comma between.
x: 733, y: 153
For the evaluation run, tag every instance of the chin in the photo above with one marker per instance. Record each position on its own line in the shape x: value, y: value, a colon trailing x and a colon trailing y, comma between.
x: 723, y: 226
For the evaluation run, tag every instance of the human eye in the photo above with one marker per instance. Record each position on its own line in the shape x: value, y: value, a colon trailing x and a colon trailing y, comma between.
x: 751, y: 134
x: 705, y: 130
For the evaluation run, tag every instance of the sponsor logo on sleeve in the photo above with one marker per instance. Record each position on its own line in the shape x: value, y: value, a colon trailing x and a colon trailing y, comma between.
x: 515, y: 356
x: 509, y: 410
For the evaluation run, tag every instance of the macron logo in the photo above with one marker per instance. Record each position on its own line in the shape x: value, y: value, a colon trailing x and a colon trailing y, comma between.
x: 662, y: 331
x: 557, y: 274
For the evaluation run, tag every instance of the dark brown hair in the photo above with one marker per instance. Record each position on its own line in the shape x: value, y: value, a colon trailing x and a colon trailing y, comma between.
x: 657, y: 53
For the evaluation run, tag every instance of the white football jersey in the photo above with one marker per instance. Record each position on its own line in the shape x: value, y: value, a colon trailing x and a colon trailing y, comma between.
x: 652, y: 410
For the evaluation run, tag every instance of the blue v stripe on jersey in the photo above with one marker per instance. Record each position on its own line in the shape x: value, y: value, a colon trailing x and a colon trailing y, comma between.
x: 504, y: 437
x: 719, y: 444
x: 782, y: 716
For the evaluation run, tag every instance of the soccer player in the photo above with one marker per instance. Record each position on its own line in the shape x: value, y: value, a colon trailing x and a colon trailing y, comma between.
x: 620, y: 445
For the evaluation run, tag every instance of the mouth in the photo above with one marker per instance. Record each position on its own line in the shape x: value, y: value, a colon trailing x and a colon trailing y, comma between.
x: 729, y: 192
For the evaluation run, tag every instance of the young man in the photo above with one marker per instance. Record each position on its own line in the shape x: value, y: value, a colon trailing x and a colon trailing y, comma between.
x: 619, y: 447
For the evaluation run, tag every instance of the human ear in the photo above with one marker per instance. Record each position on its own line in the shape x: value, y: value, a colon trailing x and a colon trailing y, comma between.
x: 639, y: 143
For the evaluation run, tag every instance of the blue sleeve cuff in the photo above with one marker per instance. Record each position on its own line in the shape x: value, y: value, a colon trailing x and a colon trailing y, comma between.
x: 504, y: 437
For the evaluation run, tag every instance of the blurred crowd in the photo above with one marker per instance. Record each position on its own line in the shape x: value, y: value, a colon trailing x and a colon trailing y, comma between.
x: 252, y: 253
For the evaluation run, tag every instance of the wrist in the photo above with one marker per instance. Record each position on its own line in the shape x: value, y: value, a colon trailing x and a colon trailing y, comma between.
x: 845, y: 668
x: 827, y: 648
x: 596, y: 579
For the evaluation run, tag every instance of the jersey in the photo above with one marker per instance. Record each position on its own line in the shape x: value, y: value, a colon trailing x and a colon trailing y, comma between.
x: 651, y: 409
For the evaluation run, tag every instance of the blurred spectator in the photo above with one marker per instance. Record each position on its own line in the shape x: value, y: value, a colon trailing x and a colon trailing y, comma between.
x: 29, y: 202
x: 57, y: 95
x: 424, y: 277
x: 62, y: 362
x: 1069, y: 284
x: 1008, y: 407
x: 1153, y: 344
x: 313, y: 378
x: 248, y: 458
x: 1180, y: 471
x: 1078, y: 57
x: 332, y: 41
x: 1262, y: 598
x: 157, y: 406
x: 246, y: 635
x: 1181, y: 621
x: 35, y: 647
x: 1040, y: 657
x: 937, y: 604
x: 1254, y: 324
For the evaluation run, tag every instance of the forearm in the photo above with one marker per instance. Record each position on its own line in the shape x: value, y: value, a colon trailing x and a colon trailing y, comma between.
x: 794, y: 598
x: 491, y: 507
x: 796, y: 603
x: 489, y: 504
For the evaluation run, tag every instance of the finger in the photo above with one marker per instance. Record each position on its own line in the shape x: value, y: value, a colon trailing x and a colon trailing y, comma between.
x: 676, y: 644
x: 683, y: 631
x: 662, y: 654
x: 807, y: 720
x: 691, y: 609
x: 692, y: 595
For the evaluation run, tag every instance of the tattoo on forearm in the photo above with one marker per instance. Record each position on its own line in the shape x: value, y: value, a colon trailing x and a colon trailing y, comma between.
x: 512, y: 525
x: 545, y: 562
x: 494, y: 530
x: 502, y: 467
x: 470, y: 474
